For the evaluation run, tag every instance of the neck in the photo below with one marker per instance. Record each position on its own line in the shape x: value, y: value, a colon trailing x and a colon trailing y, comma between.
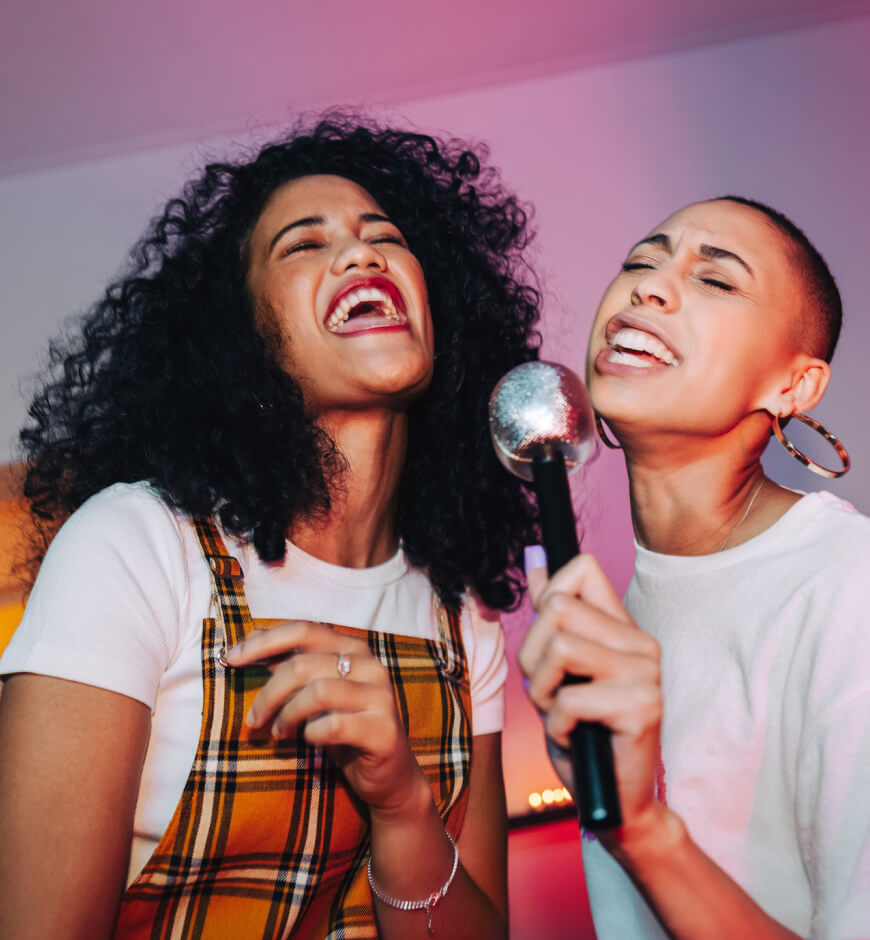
x: 697, y: 499
x: 359, y: 529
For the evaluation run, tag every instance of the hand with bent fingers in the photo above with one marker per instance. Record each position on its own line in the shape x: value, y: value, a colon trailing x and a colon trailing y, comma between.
x: 582, y: 629
x: 352, y: 715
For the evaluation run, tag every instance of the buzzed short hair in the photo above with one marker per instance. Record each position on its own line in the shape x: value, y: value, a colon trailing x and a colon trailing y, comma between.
x: 822, y: 316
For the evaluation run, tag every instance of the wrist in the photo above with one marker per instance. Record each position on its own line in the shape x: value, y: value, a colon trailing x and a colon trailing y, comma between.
x: 413, y: 803
x: 647, y: 838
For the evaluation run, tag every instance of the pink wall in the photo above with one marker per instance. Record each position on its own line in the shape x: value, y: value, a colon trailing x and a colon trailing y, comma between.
x: 603, y: 154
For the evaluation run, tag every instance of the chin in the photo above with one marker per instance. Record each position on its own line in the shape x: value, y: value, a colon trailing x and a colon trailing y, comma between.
x: 410, y: 391
x: 406, y: 379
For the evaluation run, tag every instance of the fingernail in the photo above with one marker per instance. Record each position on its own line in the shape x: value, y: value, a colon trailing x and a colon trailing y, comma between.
x: 534, y: 556
x: 222, y: 657
x: 250, y: 718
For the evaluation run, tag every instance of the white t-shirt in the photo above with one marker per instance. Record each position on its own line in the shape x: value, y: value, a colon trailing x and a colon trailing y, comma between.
x: 766, y: 729
x: 119, y: 604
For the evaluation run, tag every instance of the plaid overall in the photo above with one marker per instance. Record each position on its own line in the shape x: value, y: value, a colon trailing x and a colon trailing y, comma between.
x: 267, y: 839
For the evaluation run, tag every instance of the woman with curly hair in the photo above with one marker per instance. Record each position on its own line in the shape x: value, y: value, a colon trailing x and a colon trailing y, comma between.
x: 259, y: 654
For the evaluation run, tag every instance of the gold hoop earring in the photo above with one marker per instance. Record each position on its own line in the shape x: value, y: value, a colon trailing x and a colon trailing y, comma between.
x: 599, y: 426
x: 826, y: 434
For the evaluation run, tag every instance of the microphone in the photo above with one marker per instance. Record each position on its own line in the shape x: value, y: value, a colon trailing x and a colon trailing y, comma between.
x: 542, y: 427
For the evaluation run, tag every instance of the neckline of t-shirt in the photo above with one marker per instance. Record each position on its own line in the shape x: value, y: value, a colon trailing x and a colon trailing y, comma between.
x: 387, y: 572
x: 298, y: 560
x: 794, y: 519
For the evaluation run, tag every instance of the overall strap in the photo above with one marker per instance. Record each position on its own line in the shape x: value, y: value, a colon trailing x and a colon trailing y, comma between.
x: 268, y: 840
x: 227, y: 577
x: 450, y: 648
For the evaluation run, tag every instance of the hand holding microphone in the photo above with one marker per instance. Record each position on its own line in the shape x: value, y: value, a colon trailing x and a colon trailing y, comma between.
x: 542, y: 425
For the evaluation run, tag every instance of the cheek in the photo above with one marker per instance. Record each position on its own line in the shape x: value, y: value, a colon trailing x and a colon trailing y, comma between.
x: 615, y: 298
x: 606, y: 309
x: 419, y: 281
x: 408, y: 268
x: 270, y: 327
x: 427, y: 320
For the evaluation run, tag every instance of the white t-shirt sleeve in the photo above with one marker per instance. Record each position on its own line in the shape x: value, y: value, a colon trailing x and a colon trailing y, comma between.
x: 88, y: 618
x: 487, y: 666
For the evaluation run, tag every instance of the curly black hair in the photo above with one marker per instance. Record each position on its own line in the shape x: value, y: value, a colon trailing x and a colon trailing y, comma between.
x: 169, y: 380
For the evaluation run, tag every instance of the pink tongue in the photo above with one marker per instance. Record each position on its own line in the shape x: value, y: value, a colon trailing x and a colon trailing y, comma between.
x: 370, y: 318
x: 367, y: 312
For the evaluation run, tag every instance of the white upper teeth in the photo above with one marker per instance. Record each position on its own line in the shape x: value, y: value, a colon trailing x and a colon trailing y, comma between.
x: 364, y: 295
x: 638, y: 341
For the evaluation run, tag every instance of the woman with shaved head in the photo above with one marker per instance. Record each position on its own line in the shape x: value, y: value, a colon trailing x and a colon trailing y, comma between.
x: 734, y: 677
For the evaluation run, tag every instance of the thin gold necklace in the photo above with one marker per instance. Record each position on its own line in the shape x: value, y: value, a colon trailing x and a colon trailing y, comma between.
x: 743, y: 517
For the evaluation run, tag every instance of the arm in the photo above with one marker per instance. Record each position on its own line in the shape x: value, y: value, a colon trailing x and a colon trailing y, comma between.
x: 356, y: 718
x: 583, y: 629
x: 69, y: 778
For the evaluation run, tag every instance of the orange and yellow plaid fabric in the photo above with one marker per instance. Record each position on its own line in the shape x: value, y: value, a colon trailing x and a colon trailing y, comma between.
x: 268, y: 840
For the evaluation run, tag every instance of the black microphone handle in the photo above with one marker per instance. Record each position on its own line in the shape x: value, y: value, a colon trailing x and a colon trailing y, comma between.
x: 591, y: 751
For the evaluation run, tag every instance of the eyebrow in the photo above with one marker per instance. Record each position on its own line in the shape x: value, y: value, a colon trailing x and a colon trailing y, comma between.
x: 710, y: 252
x: 320, y: 220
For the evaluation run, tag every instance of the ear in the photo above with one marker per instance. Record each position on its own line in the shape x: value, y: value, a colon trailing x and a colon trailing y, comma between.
x: 803, y: 388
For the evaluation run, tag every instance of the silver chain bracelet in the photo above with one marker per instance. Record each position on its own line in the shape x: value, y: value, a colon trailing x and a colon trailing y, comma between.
x: 430, y: 903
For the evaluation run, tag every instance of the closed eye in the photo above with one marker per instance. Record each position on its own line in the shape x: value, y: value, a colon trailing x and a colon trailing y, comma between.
x: 717, y: 285
x: 636, y: 266
x: 388, y: 239
x: 297, y: 247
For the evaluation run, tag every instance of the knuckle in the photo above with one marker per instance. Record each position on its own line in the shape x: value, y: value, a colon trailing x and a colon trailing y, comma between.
x: 649, y: 647
x: 305, y: 631
x: 318, y: 689
x: 654, y: 674
x: 292, y: 669
x: 560, y: 603
x: 540, y: 700
x: 561, y: 647
x: 330, y: 724
x: 646, y: 702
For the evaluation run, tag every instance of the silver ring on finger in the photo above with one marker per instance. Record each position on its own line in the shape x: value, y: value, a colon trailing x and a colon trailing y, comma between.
x: 343, y: 665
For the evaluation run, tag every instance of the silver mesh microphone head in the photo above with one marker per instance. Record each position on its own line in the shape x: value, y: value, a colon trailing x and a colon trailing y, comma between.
x: 540, y: 407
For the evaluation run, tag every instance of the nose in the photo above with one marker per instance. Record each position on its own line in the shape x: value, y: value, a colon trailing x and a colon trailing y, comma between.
x: 656, y: 288
x: 356, y: 253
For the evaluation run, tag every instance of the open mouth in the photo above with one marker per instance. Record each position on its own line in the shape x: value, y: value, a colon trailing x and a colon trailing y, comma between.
x: 366, y: 305
x: 640, y: 349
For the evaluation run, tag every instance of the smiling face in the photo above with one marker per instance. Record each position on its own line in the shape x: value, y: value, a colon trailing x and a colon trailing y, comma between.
x: 696, y: 332
x: 333, y: 279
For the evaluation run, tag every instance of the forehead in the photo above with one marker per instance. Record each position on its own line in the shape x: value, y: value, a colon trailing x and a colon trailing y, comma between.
x: 320, y: 195
x: 732, y: 227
